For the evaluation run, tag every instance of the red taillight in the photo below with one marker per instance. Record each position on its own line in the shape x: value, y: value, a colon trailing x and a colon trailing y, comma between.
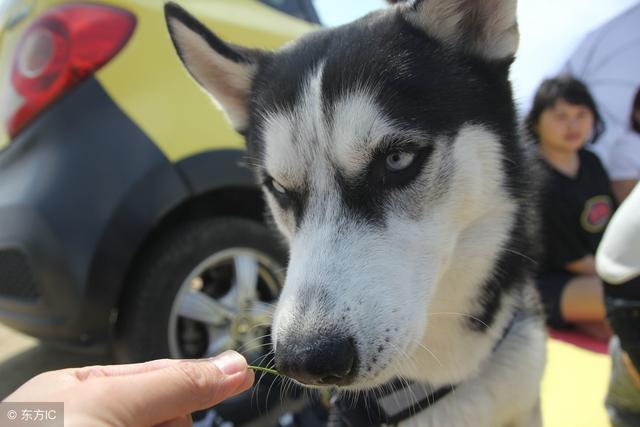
x: 60, y: 49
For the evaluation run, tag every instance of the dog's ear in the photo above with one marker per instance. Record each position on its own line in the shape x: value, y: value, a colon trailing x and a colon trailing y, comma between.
x: 223, y: 70
x: 487, y: 28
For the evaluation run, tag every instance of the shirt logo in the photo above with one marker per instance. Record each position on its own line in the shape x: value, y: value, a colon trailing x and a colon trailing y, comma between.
x: 596, y: 213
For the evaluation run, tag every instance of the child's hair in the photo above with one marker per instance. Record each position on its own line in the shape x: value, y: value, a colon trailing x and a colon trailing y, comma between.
x: 569, y: 89
x: 635, y: 123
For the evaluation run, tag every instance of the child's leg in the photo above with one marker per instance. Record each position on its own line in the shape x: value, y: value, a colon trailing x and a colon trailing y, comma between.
x: 583, y: 301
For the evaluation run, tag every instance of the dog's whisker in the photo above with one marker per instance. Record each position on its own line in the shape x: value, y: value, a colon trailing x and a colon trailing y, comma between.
x: 404, y: 355
x: 467, y: 315
x: 271, y: 387
x: 246, y: 347
x: 380, y: 392
x: 264, y: 357
x: 282, y: 387
x: 261, y: 325
x: 254, y: 310
x: 408, y: 359
x: 256, y: 389
x: 405, y: 384
x: 288, y: 385
x: 528, y: 258
x: 490, y: 331
x: 260, y: 378
x: 354, y: 395
x: 269, y: 304
x: 286, y: 389
x: 260, y: 337
x: 425, y: 348
x: 249, y: 344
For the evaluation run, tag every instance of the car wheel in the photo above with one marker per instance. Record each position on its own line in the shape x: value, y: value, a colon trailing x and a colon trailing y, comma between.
x: 205, y: 287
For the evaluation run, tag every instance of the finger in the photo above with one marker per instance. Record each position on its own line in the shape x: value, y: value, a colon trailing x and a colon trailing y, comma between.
x: 178, y: 422
x: 114, y: 370
x: 248, y: 382
x: 172, y: 392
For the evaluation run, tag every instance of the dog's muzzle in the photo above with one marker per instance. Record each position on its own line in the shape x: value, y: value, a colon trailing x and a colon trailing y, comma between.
x: 317, y: 360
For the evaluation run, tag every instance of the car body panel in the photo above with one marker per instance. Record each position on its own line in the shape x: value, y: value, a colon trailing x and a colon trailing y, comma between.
x: 92, y: 176
x: 15, y: 15
x: 4, y: 138
x: 157, y: 115
x: 166, y: 94
x: 62, y: 182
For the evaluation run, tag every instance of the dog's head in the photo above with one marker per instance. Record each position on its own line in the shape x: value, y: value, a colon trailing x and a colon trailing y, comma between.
x: 378, y: 145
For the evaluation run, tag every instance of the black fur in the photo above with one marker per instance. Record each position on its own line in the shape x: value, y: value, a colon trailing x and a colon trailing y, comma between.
x: 422, y: 85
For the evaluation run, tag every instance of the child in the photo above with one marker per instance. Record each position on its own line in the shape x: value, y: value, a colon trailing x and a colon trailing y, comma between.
x: 576, y: 201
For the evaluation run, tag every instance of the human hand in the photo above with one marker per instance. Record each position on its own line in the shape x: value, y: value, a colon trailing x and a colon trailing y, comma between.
x: 157, y: 393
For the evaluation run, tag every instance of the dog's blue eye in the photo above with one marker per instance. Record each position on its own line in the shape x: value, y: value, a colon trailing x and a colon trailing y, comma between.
x: 278, y: 187
x: 399, y: 160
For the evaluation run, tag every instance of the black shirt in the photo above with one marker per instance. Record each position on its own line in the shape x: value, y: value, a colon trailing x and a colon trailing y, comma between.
x: 575, y: 212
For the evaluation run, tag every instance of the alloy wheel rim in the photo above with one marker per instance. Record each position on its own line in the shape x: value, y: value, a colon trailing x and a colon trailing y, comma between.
x: 226, y: 302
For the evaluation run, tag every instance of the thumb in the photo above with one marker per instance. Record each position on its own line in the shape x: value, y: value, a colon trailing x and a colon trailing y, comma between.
x: 175, y: 391
x: 185, y: 421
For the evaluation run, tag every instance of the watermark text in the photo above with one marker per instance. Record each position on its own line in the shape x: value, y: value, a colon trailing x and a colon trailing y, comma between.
x: 31, y: 414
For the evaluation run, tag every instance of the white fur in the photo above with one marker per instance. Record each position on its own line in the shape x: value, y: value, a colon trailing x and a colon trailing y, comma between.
x: 404, y: 291
x: 357, y: 127
x: 486, y: 27
x: 505, y: 393
x: 412, y: 264
x: 227, y: 82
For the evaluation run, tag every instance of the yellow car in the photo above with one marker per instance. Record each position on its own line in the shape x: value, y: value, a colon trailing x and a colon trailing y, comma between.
x: 127, y: 218
x: 128, y: 221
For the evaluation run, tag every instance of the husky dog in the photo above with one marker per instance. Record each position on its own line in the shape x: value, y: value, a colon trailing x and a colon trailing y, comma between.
x: 388, y: 153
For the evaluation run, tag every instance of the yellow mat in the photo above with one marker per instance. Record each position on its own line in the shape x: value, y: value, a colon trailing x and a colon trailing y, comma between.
x: 574, y: 387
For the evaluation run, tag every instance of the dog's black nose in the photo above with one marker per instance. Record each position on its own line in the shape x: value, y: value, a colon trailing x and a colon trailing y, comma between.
x: 317, y: 360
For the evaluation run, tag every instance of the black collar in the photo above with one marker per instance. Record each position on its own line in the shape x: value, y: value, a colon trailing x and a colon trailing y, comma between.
x: 399, y: 401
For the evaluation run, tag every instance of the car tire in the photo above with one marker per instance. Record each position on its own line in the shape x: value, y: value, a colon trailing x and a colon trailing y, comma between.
x: 169, y: 267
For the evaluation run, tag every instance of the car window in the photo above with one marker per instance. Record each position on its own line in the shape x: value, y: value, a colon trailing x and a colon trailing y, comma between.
x: 290, y: 7
x: 337, y: 12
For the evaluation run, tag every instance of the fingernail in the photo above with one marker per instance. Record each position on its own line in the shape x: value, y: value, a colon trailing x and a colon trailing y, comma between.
x: 230, y: 362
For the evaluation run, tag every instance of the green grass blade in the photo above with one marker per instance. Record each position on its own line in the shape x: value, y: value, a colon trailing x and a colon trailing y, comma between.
x: 267, y: 370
